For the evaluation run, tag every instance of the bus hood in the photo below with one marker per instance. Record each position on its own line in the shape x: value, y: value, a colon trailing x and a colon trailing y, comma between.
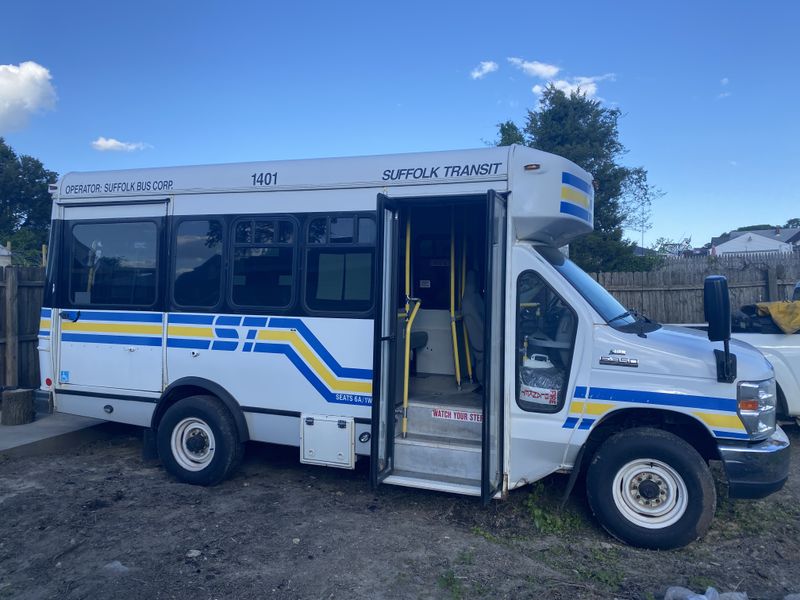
x: 675, y: 351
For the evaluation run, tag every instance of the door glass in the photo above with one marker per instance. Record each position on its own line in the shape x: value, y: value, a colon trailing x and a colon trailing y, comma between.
x: 113, y: 263
x: 546, y: 328
x: 492, y: 471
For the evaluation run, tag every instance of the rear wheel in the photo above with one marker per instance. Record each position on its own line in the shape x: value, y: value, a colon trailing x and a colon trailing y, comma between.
x: 198, y: 442
x: 652, y: 489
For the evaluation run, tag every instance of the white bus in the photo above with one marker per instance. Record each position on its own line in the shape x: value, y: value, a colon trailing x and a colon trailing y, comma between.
x: 414, y: 309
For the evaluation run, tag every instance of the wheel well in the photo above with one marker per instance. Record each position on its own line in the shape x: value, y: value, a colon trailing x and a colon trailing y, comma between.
x: 191, y: 386
x: 783, y: 407
x: 684, y: 426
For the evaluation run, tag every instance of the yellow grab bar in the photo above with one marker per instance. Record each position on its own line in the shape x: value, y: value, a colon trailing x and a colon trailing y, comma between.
x: 407, y: 360
x: 408, y: 261
x: 460, y: 305
x: 453, y: 297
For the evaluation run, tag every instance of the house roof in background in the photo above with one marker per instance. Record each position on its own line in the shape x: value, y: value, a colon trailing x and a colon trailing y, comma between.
x: 787, y: 235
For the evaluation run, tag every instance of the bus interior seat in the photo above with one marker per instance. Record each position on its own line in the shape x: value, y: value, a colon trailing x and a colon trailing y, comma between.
x: 473, y: 314
x: 419, y: 339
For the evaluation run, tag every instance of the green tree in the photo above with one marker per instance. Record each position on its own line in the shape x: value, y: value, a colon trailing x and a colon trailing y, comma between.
x: 24, y: 204
x: 793, y: 223
x: 582, y: 130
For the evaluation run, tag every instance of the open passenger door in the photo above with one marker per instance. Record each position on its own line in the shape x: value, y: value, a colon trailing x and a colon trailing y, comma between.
x: 493, y: 400
x: 385, y: 379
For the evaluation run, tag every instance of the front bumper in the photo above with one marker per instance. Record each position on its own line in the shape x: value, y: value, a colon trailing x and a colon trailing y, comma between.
x: 756, y: 470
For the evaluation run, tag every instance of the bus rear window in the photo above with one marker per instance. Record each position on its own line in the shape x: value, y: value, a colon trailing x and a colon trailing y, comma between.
x: 113, y: 263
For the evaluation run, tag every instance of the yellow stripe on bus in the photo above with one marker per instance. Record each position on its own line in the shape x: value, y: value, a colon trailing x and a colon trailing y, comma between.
x: 715, y: 420
x: 573, y: 195
x: 44, y: 324
x: 184, y: 331
x: 110, y: 328
x: 592, y: 408
x: 311, y: 359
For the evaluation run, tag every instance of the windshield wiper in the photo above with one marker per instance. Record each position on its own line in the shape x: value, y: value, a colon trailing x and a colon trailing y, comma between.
x: 627, y: 313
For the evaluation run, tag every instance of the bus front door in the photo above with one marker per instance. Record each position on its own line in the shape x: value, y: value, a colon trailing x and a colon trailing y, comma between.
x: 387, y: 337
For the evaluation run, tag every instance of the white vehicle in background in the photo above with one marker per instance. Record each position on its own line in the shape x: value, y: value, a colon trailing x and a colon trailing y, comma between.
x: 783, y: 352
x: 781, y: 349
x: 410, y: 309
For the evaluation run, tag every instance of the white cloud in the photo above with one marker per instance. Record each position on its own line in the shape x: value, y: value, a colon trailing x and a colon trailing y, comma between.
x: 25, y: 89
x: 483, y: 69
x: 586, y: 85
x: 725, y: 93
x: 534, y: 68
x: 104, y: 144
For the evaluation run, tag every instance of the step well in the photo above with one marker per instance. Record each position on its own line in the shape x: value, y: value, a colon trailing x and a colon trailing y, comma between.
x: 438, y: 456
x: 460, y: 419
x: 440, y: 483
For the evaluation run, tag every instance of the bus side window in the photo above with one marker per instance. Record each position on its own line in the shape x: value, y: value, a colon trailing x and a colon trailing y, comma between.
x: 546, y: 327
x: 340, y: 253
x: 263, y: 262
x: 198, y: 263
x: 113, y: 263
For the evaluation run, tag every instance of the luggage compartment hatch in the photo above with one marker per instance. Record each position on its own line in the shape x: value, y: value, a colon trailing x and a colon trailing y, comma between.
x: 327, y: 440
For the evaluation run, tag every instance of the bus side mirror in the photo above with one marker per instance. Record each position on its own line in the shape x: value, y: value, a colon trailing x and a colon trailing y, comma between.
x: 717, y: 308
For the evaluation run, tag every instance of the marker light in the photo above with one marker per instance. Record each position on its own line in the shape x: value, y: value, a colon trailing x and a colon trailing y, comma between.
x: 48, y: 382
x: 756, y: 400
x: 532, y: 167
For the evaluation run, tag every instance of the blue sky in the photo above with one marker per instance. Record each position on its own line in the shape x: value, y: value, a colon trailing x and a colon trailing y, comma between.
x: 708, y: 89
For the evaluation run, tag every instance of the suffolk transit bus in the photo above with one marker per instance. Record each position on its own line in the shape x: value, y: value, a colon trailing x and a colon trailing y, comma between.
x: 414, y: 309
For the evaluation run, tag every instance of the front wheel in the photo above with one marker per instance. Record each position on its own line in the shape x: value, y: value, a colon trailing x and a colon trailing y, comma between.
x: 652, y: 489
x: 198, y: 442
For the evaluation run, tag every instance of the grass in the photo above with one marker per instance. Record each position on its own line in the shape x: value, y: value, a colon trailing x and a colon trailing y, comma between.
x: 451, y: 584
x: 544, y: 509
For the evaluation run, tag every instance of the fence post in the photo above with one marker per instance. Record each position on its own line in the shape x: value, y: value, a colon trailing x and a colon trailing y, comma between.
x: 12, y: 329
x: 772, y: 284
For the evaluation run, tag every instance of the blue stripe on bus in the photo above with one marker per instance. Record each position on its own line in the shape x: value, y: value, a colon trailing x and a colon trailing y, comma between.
x: 327, y: 358
x: 191, y: 319
x: 576, y: 182
x: 255, y: 322
x: 44, y: 333
x: 586, y: 423
x: 226, y: 333
x: 130, y: 317
x: 92, y: 338
x: 46, y: 313
x: 580, y: 391
x: 310, y: 376
x: 568, y: 208
x: 188, y: 343
x: 570, y: 422
x: 228, y: 346
x: 226, y: 320
x: 645, y: 397
x: 730, y: 434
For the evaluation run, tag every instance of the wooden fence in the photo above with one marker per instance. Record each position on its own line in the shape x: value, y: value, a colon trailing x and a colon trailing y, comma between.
x: 674, y: 292
x: 670, y: 294
x: 21, y: 291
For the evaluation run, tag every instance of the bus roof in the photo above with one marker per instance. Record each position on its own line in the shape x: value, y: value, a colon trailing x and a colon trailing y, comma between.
x: 391, y: 170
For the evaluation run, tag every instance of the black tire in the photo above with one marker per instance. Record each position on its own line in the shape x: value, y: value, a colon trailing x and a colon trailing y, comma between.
x: 195, y: 422
x: 631, y: 515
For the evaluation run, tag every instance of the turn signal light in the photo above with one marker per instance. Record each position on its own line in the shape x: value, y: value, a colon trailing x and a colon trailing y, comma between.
x: 748, y: 404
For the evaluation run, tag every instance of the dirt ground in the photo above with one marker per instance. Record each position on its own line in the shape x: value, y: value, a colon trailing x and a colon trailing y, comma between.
x: 97, y: 522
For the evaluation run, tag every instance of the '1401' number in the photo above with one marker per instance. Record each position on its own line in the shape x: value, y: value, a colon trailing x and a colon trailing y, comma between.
x: 265, y: 178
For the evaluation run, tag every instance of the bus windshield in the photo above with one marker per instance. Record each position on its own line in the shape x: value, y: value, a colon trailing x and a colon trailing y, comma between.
x: 595, y: 294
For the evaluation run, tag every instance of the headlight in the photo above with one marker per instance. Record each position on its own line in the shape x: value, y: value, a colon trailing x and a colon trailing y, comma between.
x: 756, y: 401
